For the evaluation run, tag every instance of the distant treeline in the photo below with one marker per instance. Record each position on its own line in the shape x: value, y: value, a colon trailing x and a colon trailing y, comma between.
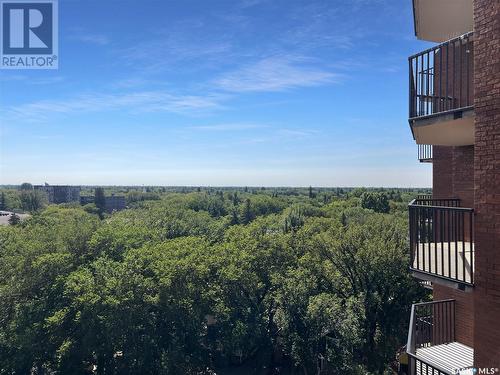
x: 23, y: 198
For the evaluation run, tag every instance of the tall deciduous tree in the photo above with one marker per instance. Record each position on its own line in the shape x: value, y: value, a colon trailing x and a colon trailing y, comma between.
x: 32, y: 200
x: 100, y: 200
x: 375, y: 201
x: 26, y: 186
x: 3, y: 202
x: 248, y: 215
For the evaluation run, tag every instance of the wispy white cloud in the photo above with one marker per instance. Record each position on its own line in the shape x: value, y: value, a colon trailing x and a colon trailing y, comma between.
x: 129, y: 83
x: 297, y: 133
x: 19, y: 78
x: 136, y: 102
x: 250, y: 3
x: 391, y: 69
x: 281, y: 135
x: 46, y: 80
x: 83, y: 36
x: 229, y: 127
x: 275, y: 74
x: 4, y: 77
x: 165, y: 48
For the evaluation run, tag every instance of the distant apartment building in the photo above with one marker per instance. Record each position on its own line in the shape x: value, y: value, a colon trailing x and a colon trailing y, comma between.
x: 60, y: 193
x: 112, y: 202
x: 454, y: 100
x: 115, y: 203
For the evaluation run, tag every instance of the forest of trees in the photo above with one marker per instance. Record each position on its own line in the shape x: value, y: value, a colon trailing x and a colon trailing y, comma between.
x: 208, y: 281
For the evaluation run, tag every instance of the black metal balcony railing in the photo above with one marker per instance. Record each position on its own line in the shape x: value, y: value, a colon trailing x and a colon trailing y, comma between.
x: 425, y: 153
x: 426, y: 284
x: 431, y: 323
x: 442, y: 239
x: 427, y: 200
x: 424, y: 196
x: 441, y: 78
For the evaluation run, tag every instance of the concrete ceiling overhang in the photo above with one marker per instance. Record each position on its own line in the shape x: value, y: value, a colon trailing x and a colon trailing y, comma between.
x: 445, y: 129
x: 442, y: 20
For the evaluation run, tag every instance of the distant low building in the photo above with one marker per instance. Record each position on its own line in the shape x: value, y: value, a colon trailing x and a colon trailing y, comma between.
x: 115, y: 203
x: 112, y: 203
x: 60, y: 193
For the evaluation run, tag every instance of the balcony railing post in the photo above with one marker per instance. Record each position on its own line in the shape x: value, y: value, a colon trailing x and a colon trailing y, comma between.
x: 440, y: 72
x: 427, y: 84
x: 471, y: 236
x: 411, y: 230
x: 421, y: 109
x: 452, y: 321
x: 434, y: 237
x: 410, y: 88
x: 447, y: 75
x: 461, y: 79
x: 454, y: 72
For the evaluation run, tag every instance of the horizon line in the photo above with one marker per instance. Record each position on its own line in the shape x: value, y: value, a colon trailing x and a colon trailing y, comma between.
x: 233, y: 186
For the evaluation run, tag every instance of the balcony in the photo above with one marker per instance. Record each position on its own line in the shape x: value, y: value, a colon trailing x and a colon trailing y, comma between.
x: 441, y: 93
x: 431, y: 347
x: 425, y: 153
x: 442, y: 241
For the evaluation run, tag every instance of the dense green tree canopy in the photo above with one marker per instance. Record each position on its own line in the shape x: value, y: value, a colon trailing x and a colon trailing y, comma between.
x: 199, y: 282
x: 375, y: 201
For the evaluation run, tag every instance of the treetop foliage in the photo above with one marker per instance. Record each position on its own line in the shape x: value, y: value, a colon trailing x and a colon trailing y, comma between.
x: 201, y: 282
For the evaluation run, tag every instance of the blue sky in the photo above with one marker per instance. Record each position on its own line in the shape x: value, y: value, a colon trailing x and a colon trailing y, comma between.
x: 200, y: 92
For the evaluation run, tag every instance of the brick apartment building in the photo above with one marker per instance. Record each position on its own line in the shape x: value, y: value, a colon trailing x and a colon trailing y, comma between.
x: 115, y: 203
x: 57, y: 194
x: 112, y: 202
x: 454, y: 98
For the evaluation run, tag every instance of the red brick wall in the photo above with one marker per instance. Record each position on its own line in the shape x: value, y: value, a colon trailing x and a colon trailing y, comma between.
x: 487, y: 182
x: 442, y: 172
x: 453, y: 173
x: 463, y: 175
x: 464, y: 311
x: 453, y: 177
